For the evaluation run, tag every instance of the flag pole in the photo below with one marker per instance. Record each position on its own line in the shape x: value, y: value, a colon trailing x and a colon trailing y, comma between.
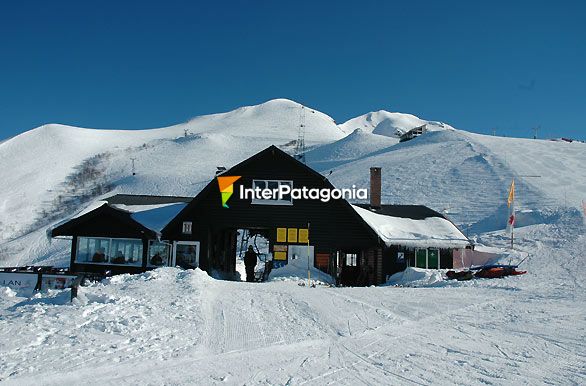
x: 308, y: 270
x: 511, y: 205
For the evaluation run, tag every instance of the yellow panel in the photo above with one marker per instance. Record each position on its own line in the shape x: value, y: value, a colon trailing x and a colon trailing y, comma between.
x: 280, y: 248
x: 280, y: 256
x: 292, y: 235
x: 281, y: 235
x: 303, y: 235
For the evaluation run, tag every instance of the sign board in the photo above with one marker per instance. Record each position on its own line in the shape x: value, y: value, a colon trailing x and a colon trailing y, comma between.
x: 280, y: 248
x: 304, y: 235
x: 281, y: 235
x: 292, y: 235
x: 56, y: 281
x: 400, y: 257
x: 322, y: 260
x: 23, y: 283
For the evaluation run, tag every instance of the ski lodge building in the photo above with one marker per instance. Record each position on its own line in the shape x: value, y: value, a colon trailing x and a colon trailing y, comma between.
x: 358, y: 244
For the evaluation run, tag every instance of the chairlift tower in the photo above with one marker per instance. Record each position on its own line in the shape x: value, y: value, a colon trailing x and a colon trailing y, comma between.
x: 300, y: 146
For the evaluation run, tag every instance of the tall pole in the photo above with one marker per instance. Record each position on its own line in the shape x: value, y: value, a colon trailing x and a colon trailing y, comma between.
x: 308, y: 267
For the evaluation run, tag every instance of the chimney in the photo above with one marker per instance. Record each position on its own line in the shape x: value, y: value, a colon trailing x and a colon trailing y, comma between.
x: 375, y: 187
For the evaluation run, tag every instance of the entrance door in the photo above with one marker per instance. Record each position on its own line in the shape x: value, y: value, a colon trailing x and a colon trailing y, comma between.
x: 427, y: 258
x: 186, y: 254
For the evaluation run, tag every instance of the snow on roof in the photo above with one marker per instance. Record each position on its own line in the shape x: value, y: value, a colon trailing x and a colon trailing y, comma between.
x: 154, y: 217
x: 429, y: 232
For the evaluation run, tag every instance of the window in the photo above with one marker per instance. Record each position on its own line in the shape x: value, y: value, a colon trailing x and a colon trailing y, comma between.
x: 93, y: 250
x: 351, y: 259
x: 187, y: 254
x: 99, y: 250
x: 187, y: 225
x: 126, y: 252
x: 159, y: 253
x: 273, y: 187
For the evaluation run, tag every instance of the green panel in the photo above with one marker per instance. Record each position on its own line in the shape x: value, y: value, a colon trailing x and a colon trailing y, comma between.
x: 432, y: 259
x: 420, y: 256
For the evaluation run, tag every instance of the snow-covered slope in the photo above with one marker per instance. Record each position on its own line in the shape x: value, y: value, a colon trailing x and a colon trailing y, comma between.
x: 356, y: 145
x: 45, y: 167
x: 467, y: 176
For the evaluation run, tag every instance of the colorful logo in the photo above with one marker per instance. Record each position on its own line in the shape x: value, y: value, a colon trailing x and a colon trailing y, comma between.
x: 226, y: 184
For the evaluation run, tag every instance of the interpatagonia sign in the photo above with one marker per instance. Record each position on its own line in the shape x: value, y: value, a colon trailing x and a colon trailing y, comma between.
x: 282, y: 192
x: 304, y: 193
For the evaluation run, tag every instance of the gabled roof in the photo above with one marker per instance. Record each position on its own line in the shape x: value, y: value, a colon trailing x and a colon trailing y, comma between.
x: 66, y: 229
x: 149, y: 219
x: 236, y: 170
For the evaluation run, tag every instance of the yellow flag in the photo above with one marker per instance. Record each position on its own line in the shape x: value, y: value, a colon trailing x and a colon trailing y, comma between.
x: 511, y: 194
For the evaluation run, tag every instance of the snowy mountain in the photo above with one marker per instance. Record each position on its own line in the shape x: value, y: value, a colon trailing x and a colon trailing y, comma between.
x: 389, y: 124
x: 171, y: 326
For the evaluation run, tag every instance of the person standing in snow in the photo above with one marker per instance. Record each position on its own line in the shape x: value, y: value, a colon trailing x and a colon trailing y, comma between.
x: 250, y: 263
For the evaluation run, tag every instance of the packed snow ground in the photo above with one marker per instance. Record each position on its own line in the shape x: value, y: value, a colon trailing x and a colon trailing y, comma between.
x: 171, y: 326
x: 183, y: 327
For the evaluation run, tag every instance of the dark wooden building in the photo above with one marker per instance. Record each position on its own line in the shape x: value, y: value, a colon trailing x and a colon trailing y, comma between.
x: 121, y: 234
x: 354, y: 244
x: 333, y: 228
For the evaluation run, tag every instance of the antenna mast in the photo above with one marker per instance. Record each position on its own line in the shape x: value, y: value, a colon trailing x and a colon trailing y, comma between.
x: 300, y: 146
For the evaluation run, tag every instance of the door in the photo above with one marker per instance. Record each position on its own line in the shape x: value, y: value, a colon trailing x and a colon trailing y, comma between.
x: 421, y: 258
x: 186, y: 254
x: 432, y: 258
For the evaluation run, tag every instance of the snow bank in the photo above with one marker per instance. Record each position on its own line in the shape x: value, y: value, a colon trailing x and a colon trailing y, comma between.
x: 296, y: 270
x: 416, y: 277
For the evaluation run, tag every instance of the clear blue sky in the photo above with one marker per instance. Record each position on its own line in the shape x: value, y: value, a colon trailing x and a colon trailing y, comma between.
x: 135, y: 64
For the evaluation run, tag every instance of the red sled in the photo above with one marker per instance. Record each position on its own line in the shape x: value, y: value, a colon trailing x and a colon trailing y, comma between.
x: 498, y: 272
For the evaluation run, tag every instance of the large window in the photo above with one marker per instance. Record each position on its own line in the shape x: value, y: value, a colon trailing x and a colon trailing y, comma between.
x: 93, y: 250
x: 99, y: 250
x: 159, y: 254
x: 274, y: 187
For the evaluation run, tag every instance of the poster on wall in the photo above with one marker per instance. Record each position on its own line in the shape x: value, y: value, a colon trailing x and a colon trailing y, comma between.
x: 56, y: 282
x: 281, y: 235
x: 292, y: 235
x: 304, y: 235
x: 400, y: 257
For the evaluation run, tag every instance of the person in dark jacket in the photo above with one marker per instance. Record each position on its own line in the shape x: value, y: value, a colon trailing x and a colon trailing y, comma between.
x: 250, y: 263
